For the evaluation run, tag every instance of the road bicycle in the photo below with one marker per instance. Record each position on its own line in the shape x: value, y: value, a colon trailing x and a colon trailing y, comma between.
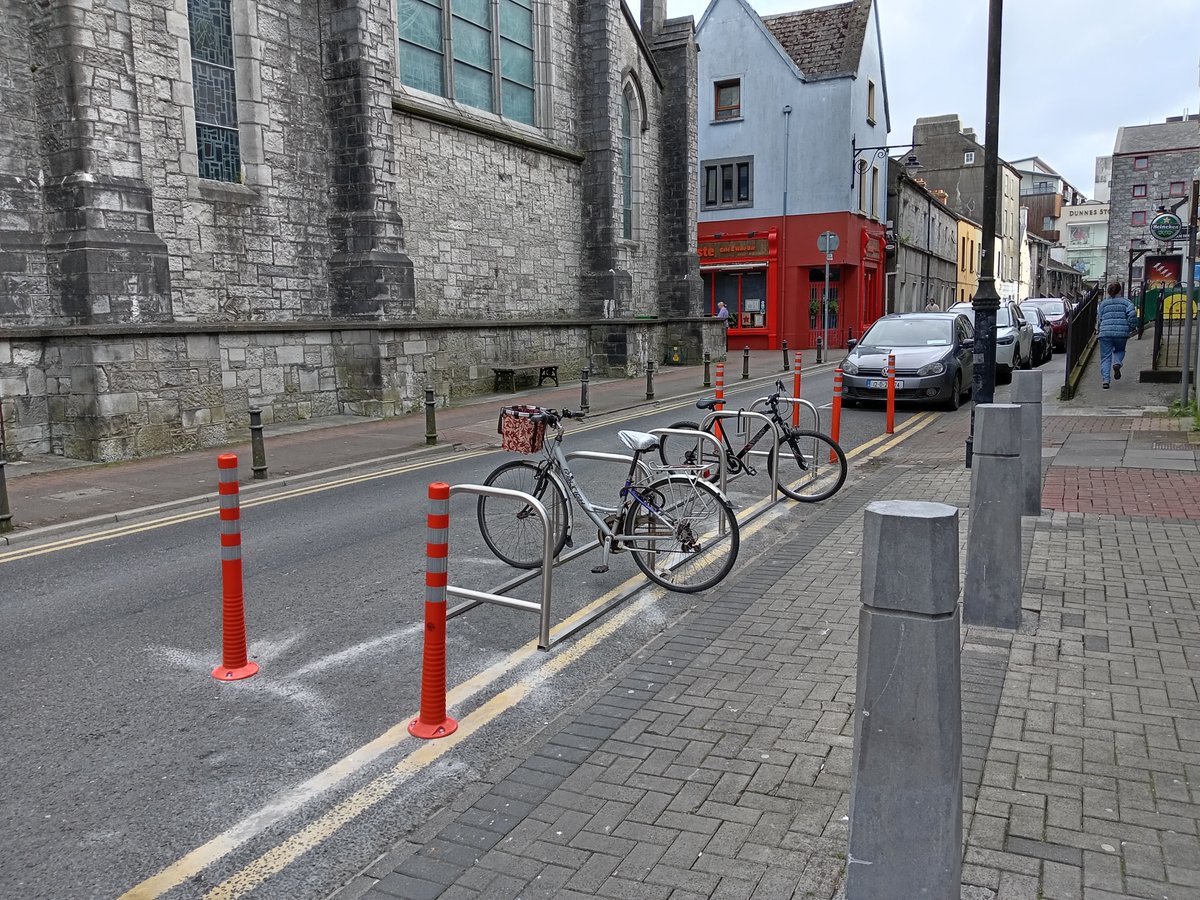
x: 812, y: 466
x: 679, y: 529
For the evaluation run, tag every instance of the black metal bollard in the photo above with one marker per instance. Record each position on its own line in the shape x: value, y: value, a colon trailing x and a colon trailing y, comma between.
x: 585, y: 376
x: 430, y: 417
x: 786, y: 362
x: 650, y: 380
x: 707, y: 373
x: 258, y: 452
x: 820, y: 350
x: 5, y: 512
x: 746, y: 362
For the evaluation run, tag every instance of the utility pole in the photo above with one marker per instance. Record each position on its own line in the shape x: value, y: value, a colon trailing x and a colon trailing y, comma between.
x: 987, y: 299
x: 1193, y: 218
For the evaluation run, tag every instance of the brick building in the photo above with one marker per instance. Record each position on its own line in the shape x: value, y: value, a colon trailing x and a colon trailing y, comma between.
x: 322, y: 208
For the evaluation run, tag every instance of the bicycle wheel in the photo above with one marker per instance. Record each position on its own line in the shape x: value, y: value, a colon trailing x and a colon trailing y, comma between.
x: 812, y: 466
x: 686, y: 537
x: 511, y: 529
x: 681, y: 453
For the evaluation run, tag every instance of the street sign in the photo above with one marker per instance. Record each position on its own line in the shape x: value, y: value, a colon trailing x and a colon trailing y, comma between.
x: 1166, y: 226
x: 827, y: 241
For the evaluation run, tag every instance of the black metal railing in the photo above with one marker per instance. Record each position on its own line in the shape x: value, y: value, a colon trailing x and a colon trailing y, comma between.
x: 1169, y: 326
x: 1081, y: 326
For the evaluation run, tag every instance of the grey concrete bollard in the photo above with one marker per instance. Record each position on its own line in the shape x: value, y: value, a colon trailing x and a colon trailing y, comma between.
x: 1027, y: 394
x: 906, y: 778
x: 992, y: 590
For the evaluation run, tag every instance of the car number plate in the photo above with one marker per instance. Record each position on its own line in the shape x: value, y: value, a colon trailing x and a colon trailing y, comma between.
x: 881, y: 384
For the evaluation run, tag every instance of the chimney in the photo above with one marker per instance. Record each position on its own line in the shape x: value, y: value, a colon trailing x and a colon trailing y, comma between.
x: 939, y: 195
x: 969, y: 133
x: 654, y: 13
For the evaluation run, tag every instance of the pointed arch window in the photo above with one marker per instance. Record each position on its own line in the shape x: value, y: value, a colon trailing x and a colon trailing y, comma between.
x: 627, y: 165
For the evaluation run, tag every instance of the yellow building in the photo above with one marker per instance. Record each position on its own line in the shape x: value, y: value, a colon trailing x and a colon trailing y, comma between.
x: 970, y: 238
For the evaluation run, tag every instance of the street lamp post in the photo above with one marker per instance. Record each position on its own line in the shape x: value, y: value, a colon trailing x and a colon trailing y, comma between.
x: 987, y: 299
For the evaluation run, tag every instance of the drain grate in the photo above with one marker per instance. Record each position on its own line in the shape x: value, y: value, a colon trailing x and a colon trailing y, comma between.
x: 1164, y: 445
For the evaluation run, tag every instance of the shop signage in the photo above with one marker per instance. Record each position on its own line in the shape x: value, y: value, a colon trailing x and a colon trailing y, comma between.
x: 1166, y: 226
x: 732, y: 249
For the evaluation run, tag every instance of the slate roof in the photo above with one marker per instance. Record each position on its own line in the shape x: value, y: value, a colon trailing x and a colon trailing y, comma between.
x: 1162, y: 136
x: 826, y: 42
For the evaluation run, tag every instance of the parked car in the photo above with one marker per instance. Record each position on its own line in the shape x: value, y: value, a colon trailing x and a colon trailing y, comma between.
x: 1043, y: 333
x: 933, y: 359
x: 1014, y: 336
x: 1058, y: 311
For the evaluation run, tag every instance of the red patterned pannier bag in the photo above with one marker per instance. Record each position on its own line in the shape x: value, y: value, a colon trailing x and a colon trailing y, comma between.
x: 521, y: 429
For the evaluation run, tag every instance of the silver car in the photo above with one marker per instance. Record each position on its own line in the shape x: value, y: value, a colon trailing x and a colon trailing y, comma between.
x: 933, y: 359
x: 1014, y: 336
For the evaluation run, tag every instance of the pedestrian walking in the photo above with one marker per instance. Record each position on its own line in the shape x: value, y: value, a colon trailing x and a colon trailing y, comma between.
x: 723, y: 312
x: 1115, y: 320
x: 932, y: 306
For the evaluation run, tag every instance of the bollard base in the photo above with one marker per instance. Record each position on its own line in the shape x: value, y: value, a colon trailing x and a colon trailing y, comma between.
x: 224, y: 673
x: 428, y: 731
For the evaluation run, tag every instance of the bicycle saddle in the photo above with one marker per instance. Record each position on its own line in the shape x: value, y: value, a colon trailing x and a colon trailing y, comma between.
x: 638, y: 441
x: 709, y: 403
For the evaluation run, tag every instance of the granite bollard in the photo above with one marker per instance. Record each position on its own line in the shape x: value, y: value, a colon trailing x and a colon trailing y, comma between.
x: 1027, y: 394
x: 906, y: 779
x: 992, y: 590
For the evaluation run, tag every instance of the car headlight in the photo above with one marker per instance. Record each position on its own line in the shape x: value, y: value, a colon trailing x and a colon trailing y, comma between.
x: 848, y: 367
x: 934, y: 368
x: 1006, y: 338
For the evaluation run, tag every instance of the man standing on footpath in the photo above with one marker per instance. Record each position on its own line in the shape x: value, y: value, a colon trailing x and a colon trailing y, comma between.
x: 1115, y: 321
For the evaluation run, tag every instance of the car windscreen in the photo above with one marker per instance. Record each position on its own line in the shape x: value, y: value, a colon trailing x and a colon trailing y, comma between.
x: 910, y: 333
x: 1050, y: 307
x: 1003, y: 314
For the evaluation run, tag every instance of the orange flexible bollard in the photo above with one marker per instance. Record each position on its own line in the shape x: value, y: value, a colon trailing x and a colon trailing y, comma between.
x: 432, y: 722
x: 796, y: 391
x: 234, y: 663
x: 835, y: 425
x: 720, y: 397
x: 891, y: 394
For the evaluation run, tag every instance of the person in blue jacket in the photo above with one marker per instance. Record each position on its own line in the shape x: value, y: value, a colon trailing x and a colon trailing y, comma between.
x: 1115, y: 320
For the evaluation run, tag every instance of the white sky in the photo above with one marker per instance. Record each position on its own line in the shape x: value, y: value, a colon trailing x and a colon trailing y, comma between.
x: 1072, y: 71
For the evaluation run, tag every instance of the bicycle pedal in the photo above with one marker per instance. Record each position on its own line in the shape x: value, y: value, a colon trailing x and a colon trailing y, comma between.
x: 599, y: 570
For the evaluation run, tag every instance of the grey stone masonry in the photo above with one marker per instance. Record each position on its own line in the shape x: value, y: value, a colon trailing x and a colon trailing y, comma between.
x: 370, y: 274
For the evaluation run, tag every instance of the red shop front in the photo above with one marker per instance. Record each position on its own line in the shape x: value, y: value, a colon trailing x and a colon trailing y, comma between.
x: 743, y: 271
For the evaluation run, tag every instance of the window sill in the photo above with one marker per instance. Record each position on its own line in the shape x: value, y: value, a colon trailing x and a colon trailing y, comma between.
x: 728, y: 121
x: 227, y: 192
x: 723, y: 206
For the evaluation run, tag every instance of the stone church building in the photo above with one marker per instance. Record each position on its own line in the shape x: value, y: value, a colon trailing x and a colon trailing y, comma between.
x: 324, y: 206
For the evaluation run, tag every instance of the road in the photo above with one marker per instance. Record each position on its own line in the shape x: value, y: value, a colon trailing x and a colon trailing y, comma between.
x: 124, y: 757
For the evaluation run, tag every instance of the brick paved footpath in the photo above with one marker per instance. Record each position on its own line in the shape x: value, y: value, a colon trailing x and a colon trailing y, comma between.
x: 717, y: 763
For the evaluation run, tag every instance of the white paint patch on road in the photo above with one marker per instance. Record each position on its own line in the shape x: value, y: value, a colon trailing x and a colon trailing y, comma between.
x: 358, y: 651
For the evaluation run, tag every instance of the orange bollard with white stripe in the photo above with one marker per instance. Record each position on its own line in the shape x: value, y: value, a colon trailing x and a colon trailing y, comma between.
x: 891, y: 394
x: 835, y: 423
x: 720, y: 396
x: 234, y: 663
x: 432, y: 722
x: 796, y: 392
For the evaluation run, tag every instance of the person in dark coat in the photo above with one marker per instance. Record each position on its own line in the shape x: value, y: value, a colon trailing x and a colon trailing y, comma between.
x: 1116, y: 318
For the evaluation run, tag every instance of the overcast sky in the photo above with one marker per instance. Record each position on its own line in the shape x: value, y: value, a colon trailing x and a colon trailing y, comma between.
x: 1072, y: 71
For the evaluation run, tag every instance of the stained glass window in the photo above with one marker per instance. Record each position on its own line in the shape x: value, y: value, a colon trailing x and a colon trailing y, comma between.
x: 626, y: 167
x: 480, y: 52
x: 214, y: 91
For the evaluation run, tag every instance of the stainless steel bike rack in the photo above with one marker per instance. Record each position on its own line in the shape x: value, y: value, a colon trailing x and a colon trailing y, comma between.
x: 741, y: 415
x: 546, y: 571
x: 698, y: 436
x: 609, y: 457
x: 794, y: 401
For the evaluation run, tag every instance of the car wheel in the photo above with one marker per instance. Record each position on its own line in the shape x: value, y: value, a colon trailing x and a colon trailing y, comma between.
x: 848, y: 403
x: 1027, y: 362
x: 955, y: 399
x: 1004, y: 374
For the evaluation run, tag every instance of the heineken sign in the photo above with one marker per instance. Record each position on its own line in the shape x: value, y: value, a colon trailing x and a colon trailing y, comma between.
x: 1166, y: 226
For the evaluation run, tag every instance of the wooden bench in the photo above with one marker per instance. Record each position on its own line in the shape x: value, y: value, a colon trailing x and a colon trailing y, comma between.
x: 507, y: 370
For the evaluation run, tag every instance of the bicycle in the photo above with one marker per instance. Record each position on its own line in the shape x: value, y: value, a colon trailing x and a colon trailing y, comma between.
x: 679, y: 529
x: 812, y: 466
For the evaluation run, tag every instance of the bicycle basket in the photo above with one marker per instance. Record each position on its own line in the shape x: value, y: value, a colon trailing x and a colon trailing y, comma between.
x: 521, y: 429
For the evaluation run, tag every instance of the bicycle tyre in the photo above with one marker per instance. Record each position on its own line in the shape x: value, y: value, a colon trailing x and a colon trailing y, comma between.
x: 697, y: 554
x: 512, y: 530
x: 708, y: 465
x: 806, y: 472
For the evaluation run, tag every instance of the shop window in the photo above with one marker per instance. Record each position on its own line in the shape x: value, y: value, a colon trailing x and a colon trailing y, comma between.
x: 744, y: 294
x: 727, y: 99
x: 728, y: 183
x: 480, y: 52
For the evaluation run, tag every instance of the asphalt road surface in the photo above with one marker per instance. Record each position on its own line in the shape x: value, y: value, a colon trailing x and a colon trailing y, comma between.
x: 129, y: 771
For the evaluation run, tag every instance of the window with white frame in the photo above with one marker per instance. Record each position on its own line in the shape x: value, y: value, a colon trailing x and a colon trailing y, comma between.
x: 727, y: 182
x: 478, y: 52
x: 968, y: 157
x: 875, y: 192
x: 214, y: 90
x: 871, y: 102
